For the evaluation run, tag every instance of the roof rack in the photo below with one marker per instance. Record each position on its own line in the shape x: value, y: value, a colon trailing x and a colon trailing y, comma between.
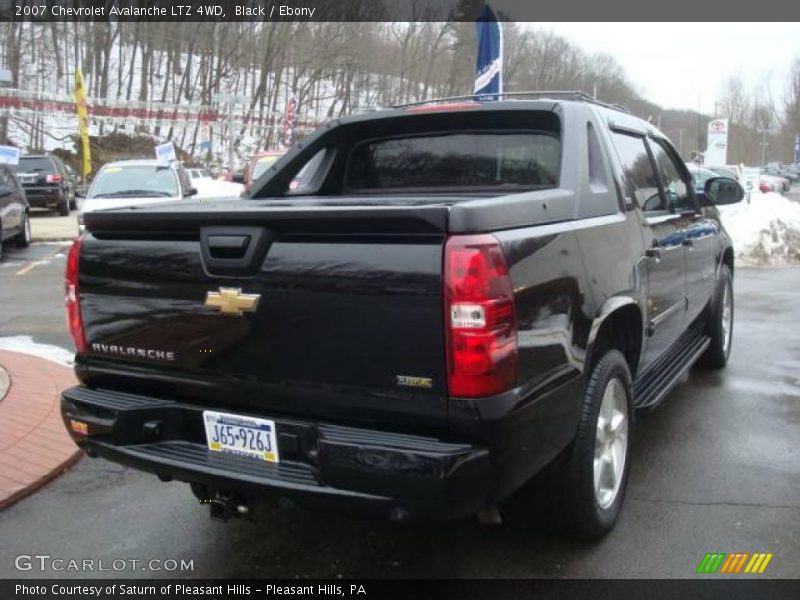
x: 555, y: 95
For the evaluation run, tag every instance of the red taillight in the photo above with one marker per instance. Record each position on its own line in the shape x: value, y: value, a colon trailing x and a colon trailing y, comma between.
x: 72, y: 297
x: 54, y: 178
x: 479, y: 316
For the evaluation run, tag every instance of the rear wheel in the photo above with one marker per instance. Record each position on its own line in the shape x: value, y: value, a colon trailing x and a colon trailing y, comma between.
x: 23, y: 240
x: 63, y: 206
x: 595, y: 473
x: 719, y: 326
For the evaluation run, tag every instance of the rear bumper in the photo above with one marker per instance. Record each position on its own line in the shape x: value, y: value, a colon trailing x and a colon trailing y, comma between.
x: 43, y: 196
x: 385, y: 474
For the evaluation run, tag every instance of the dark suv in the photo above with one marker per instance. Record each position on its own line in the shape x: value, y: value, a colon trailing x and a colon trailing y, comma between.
x: 46, y: 182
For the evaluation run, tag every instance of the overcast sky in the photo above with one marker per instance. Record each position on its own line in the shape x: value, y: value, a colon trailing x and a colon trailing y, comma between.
x: 674, y: 63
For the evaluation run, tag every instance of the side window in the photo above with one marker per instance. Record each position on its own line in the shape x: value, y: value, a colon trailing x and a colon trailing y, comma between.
x: 305, y: 180
x: 5, y: 180
x: 675, y: 187
x: 640, y: 183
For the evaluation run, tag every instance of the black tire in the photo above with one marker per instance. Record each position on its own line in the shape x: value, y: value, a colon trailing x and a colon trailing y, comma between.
x: 718, y: 351
x: 23, y: 239
x: 582, y: 512
x: 63, y: 206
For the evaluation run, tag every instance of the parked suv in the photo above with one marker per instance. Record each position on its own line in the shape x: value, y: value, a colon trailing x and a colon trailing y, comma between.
x: 46, y: 182
x: 15, y: 222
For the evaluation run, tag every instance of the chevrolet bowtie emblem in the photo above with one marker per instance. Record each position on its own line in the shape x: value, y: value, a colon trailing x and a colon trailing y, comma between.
x: 231, y: 301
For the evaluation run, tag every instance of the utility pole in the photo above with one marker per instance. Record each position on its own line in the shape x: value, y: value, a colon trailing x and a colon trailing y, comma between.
x: 230, y: 136
x: 230, y: 100
x: 5, y: 77
x: 764, y: 146
x: 699, y: 128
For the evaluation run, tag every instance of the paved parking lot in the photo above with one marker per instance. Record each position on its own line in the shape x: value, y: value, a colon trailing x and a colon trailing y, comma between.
x: 48, y: 225
x: 715, y: 468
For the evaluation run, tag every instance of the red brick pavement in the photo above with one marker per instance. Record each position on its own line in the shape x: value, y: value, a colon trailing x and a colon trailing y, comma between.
x: 34, y: 445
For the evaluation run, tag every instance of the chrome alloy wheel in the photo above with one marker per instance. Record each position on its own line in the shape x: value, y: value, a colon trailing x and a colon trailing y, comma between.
x: 611, y: 443
x: 727, y: 318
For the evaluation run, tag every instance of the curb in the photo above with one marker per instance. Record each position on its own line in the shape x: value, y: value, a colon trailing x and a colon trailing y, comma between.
x: 35, y: 447
x: 5, y: 383
x: 35, y: 240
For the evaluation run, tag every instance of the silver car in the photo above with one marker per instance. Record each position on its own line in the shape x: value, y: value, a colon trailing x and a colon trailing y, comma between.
x: 133, y: 183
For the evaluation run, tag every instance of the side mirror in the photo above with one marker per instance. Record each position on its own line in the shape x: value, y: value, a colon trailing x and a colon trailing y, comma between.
x: 80, y: 193
x: 192, y: 191
x: 723, y: 190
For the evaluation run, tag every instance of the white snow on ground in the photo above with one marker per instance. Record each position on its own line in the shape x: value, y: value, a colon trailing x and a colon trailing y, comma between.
x: 766, y: 231
x: 211, y: 188
x: 25, y: 345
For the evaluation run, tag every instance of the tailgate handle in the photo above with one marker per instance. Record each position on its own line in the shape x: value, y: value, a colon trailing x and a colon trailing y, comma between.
x: 230, y: 251
x: 227, y: 246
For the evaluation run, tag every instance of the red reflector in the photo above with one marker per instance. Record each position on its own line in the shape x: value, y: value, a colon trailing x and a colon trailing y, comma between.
x: 442, y: 107
x: 72, y: 297
x: 54, y: 178
x: 480, y: 317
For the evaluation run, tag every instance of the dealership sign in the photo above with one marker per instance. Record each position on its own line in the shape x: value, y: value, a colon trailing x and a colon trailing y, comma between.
x: 717, y: 150
x: 166, y: 152
x: 9, y: 155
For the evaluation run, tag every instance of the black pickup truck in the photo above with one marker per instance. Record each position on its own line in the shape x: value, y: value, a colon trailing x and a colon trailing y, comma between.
x: 413, y: 313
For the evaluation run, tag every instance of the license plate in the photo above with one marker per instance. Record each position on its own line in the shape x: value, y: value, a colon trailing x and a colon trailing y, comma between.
x: 244, y: 436
x: 26, y: 179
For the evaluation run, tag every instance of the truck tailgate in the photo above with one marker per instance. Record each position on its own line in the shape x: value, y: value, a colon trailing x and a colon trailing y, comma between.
x: 279, y: 311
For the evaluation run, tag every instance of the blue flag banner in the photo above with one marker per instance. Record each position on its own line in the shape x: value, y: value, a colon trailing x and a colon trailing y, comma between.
x: 489, y: 69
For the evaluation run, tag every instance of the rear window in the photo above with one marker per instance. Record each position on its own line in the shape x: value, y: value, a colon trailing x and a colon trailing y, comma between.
x: 453, y: 161
x: 36, y: 164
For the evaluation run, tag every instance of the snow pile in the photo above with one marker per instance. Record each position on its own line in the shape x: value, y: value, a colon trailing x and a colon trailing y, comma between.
x: 26, y: 345
x: 766, y: 231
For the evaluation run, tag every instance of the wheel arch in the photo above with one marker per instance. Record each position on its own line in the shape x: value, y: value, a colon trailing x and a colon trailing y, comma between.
x: 727, y: 258
x: 621, y: 326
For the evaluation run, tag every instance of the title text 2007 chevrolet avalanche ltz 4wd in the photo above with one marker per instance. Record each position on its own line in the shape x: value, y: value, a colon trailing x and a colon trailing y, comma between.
x: 458, y: 295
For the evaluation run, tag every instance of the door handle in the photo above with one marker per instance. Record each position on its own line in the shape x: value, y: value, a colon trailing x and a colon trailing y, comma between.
x: 688, y: 242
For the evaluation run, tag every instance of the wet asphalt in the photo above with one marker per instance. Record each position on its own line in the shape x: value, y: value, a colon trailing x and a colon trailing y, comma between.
x: 715, y: 468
